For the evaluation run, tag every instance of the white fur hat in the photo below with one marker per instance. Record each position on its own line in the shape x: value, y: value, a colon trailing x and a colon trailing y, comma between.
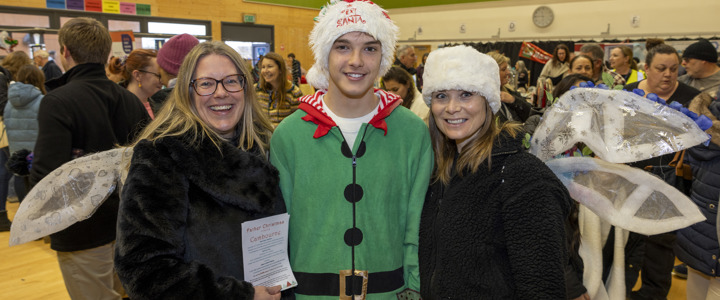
x: 462, y: 68
x: 341, y: 17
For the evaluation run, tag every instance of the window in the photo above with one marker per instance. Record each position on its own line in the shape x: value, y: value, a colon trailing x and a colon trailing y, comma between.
x: 22, y: 20
x: 176, y: 28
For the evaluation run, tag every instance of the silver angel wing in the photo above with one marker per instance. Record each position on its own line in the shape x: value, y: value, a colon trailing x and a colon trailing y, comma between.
x: 69, y: 194
x: 624, y: 196
x: 619, y: 126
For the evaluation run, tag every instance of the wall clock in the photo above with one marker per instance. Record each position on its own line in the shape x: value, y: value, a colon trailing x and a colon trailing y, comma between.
x: 543, y: 16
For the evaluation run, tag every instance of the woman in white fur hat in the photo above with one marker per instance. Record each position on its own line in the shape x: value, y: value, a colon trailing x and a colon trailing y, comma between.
x: 493, y: 222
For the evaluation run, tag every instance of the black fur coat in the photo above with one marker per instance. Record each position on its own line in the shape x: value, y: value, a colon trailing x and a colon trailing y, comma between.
x: 179, y: 225
x: 496, y: 234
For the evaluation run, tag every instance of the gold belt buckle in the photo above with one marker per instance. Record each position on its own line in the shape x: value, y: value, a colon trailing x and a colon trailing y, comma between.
x: 346, y: 273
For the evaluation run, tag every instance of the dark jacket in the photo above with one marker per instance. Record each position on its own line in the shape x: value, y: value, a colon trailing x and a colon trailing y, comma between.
x: 520, y: 110
x: 179, y: 224
x: 697, y: 245
x: 5, y: 78
x: 397, y: 62
x: 51, y: 70
x: 496, y: 234
x: 158, y: 99
x: 85, y: 113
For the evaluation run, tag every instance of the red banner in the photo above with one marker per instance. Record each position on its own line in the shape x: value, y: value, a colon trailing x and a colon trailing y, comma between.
x: 532, y: 52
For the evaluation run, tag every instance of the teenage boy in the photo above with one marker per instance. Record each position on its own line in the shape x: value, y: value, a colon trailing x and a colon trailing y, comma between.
x: 354, y: 165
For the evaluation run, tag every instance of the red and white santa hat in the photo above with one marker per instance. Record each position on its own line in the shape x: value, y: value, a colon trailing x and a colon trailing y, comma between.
x: 340, y: 17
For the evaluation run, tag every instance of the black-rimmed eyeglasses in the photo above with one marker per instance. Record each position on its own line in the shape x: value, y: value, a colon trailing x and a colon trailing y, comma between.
x: 207, y: 86
x: 156, y: 74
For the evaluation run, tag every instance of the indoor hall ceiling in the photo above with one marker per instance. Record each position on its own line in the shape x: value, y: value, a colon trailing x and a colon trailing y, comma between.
x: 400, y: 4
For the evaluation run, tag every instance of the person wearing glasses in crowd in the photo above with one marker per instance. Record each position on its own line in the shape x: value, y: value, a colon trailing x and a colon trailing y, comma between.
x: 141, y: 75
x: 198, y: 171
x: 354, y: 220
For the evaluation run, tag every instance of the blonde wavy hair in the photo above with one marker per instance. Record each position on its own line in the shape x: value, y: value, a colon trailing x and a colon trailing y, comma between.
x: 178, y: 115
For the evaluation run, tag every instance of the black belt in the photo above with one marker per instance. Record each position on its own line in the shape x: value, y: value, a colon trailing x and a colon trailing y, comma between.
x: 328, y: 284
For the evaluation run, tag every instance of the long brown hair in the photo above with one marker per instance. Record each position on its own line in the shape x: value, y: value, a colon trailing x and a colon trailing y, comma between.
x: 404, y: 78
x: 281, y: 92
x: 476, y: 152
x: 555, y: 60
x: 179, y: 117
x: 14, y: 61
x: 31, y: 75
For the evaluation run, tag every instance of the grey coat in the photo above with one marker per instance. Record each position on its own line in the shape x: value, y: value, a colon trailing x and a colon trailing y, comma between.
x: 20, y: 117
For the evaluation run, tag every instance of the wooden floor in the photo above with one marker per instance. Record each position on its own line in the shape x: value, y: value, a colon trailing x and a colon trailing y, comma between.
x: 30, y: 271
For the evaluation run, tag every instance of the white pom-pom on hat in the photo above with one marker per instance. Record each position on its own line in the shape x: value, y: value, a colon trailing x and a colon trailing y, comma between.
x: 341, y: 17
x: 462, y: 68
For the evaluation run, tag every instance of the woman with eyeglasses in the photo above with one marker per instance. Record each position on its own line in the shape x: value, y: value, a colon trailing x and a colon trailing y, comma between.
x: 141, y: 75
x: 198, y: 171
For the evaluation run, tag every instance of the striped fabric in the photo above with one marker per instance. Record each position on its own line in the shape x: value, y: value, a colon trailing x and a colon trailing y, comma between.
x: 275, y: 111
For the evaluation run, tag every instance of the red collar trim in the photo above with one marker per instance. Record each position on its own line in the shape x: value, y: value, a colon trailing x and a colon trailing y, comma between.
x: 312, y: 105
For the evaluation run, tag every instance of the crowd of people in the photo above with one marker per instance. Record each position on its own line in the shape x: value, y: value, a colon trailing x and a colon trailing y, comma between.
x: 422, y: 187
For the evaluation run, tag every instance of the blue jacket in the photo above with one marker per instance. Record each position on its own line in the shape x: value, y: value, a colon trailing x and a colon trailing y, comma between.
x: 697, y: 245
x: 20, y: 117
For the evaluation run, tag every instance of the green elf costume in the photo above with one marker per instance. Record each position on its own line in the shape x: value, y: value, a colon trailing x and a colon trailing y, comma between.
x: 354, y: 199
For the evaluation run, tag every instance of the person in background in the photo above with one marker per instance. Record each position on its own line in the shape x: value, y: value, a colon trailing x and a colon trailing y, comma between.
x: 621, y: 60
x: 523, y: 75
x: 49, y: 68
x: 20, y: 116
x: 700, y: 61
x: 114, y: 68
x: 697, y: 245
x: 141, y: 75
x: 492, y: 226
x: 652, y: 257
x: 198, y: 171
x: 420, y: 70
x: 558, y: 65
x: 169, y: 59
x: 85, y: 113
x: 596, y: 53
x: 406, y: 59
x: 256, y: 69
x: 568, y: 82
x: 582, y: 65
x: 5, y: 78
x: 277, y: 96
x: 400, y: 82
x: 355, y: 222
x: 514, y: 107
x: 294, y: 65
x: 575, y: 266
x: 13, y: 62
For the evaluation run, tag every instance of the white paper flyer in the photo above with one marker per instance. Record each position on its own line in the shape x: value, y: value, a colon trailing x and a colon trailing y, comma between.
x: 265, y: 257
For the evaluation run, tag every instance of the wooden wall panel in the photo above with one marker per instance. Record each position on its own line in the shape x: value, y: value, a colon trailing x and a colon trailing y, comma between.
x: 292, y: 25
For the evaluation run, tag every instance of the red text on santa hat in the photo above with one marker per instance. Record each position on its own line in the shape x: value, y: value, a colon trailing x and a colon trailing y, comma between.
x: 349, y: 16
